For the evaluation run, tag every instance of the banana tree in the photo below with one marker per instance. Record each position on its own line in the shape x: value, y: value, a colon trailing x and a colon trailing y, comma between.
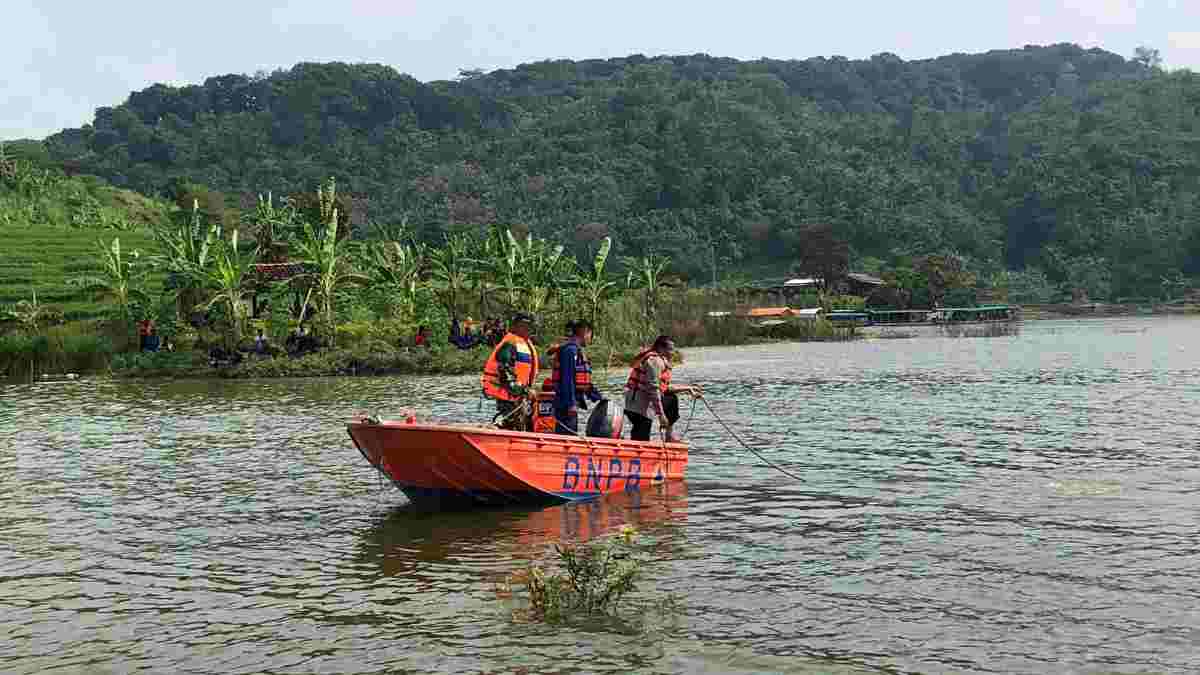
x: 30, y: 315
x: 594, y: 286
x: 540, y: 271
x: 331, y: 262
x: 506, y: 265
x: 228, y: 281
x: 451, y: 266
x: 122, y: 278
x: 273, y: 224
x: 185, y: 252
x: 397, y: 266
x: 487, y: 266
x: 647, y: 273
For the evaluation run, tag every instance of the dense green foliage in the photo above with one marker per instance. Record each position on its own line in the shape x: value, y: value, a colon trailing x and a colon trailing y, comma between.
x: 50, y: 225
x: 1077, y: 163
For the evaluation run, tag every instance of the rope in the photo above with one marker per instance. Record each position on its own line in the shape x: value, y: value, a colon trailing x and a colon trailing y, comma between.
x: 691, y: 416
x: 575, y: 432
x: 744, y: 445
x: 499, y: 420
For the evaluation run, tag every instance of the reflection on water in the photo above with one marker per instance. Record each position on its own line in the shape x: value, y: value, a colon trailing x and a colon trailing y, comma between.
x: 1006, y: 504
x: 405, y: 540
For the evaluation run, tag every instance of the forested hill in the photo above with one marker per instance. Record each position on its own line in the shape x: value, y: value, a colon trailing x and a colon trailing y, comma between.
x: 1078, y: 162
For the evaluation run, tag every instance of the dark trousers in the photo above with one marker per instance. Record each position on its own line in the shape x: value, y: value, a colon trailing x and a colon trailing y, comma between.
x: 565, y: 423
x: 641, y: 423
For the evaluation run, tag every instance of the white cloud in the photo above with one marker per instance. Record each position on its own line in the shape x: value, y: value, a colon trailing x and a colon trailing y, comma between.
x: 1105, y: 12
x: 1184, y: 40
x: 1183, y: 50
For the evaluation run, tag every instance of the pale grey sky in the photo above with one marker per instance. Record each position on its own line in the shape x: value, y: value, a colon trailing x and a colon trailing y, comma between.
x: 64, y: 58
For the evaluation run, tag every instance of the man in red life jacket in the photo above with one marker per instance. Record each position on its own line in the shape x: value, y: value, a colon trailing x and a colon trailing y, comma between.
x: 509, y: 373
x: 649, y: 391
x: 571, y: 379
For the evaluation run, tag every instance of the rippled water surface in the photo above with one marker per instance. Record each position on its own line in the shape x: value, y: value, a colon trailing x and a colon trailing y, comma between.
x: 1014, y: 504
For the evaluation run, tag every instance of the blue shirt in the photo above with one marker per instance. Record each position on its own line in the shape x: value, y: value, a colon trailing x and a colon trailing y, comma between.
x: 566, y: 396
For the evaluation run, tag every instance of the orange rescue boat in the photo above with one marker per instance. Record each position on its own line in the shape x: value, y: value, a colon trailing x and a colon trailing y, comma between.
x: 447, y: 466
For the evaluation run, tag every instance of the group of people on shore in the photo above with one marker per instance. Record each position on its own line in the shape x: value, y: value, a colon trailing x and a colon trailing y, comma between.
x: 510, y: 372
x: 469, y: 333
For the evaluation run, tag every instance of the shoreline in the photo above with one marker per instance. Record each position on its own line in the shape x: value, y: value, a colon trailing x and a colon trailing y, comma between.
x: 1105, y: 310
x: 453, y: 362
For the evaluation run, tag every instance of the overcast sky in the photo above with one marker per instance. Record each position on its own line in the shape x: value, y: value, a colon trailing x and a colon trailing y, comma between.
x: 64, y: 58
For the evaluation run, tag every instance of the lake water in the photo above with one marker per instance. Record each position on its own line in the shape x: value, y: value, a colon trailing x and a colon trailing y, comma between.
x: 1019, y: 504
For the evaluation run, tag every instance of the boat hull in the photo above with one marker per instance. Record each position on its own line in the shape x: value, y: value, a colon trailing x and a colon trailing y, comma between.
x: 445, y: 467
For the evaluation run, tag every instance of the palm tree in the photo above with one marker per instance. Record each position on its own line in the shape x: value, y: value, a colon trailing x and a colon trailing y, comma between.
x: 330, y: 261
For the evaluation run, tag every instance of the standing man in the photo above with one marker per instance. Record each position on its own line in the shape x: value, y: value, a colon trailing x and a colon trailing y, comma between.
x: 649, y: 391
x: 571, y: 378
x: 509, y: 373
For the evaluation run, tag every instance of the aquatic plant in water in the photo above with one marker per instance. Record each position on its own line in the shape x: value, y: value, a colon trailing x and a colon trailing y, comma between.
x: 589, y: 579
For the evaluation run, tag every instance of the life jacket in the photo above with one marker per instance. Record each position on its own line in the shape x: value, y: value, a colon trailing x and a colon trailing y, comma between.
x: 526, y: 368
x: 583, y: 371
x: 638, y: 377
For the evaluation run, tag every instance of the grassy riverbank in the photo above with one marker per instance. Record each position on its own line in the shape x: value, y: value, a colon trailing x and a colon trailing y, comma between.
x: 86, y: 349
x: 99, y: 348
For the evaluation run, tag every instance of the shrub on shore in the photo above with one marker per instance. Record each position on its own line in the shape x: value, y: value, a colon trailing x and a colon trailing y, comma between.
x: 360, y: 361
x: 71, y: 348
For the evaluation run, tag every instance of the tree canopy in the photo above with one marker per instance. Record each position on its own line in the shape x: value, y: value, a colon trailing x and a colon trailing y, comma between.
x: 1055, y: 158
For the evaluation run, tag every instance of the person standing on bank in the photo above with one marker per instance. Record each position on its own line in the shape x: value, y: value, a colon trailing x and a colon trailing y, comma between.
x: 509, y: 373
x: 571, y: 378
x: 649, y: 391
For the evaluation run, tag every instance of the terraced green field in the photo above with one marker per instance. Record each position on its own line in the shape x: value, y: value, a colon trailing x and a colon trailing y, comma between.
x: 50, y: 228
x: 43, y: 257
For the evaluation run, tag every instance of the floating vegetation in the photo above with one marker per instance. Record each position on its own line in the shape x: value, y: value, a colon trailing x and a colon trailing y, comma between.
x: 585, y: 579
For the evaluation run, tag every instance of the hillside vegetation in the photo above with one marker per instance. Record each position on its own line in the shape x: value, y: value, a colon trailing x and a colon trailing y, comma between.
x: 1072, y: 169
x: 50, y: 230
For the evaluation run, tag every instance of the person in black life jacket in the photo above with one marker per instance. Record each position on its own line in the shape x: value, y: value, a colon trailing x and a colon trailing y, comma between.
x: 571, y: 379
x: 509, y: 372
x: 649, y: 391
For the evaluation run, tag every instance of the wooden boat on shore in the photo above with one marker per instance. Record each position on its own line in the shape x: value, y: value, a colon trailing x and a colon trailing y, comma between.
x: 447, y: 466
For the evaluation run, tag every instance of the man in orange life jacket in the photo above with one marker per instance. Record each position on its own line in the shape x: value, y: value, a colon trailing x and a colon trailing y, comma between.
x: 571, y: 379
x: 649, y: 391
x: 509, y: 373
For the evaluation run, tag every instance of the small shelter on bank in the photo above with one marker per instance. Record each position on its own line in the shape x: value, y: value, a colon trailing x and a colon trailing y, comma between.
x: 788, y: 291
x: 862, y: 285
x: 266, y: 274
